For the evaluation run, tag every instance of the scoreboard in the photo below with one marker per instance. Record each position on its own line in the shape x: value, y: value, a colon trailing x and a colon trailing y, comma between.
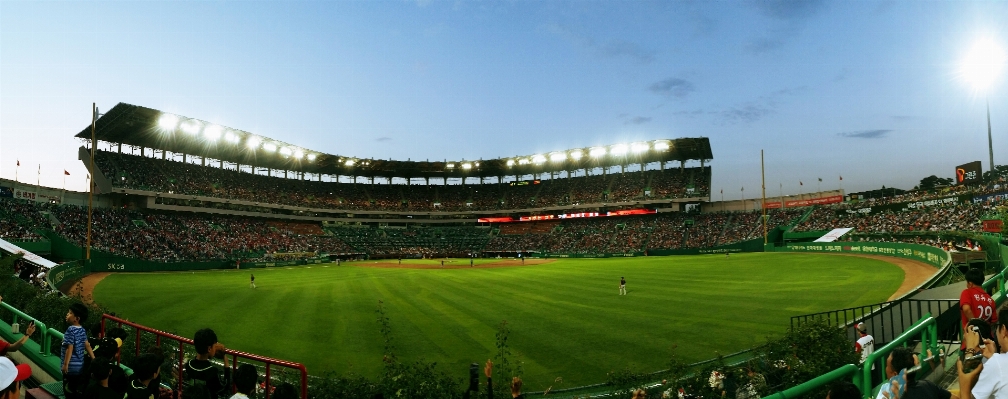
x: 969, y: 173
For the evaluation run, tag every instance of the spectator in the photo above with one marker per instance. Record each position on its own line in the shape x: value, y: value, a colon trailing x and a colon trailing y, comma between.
x: 975, y: 302
x: 990, y: 379
x: 516, y: 383
x: 11, y: 377
x: 865, y: 344
x: 201, y: 371
x: 144, y: 383
x: 843, y: 390
x: 639, y: 394
x: 197, y: 392
x: 245, y: 379
x: 101, y: 369
x: 108, y: 348
x: 75, y: 344
x: 902, y: 358
x: 285, y: 391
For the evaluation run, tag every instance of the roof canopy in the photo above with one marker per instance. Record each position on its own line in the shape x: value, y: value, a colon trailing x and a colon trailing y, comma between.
x: 150, y: 128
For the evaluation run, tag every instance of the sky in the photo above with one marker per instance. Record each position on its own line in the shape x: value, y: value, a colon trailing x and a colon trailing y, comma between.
x: 868, y: 90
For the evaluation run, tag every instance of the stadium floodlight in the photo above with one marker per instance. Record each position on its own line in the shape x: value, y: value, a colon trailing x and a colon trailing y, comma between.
x: 231, y: 137
x: 597, y: 152
x: 253, y: 142
x: 298, y: 154
x: 349, y: 162
x: 618, y: 149
x: 983, y: 64
x: 477, y: 164
x: 661, y: 145
x: 510, y: 162
x: 213, y: 132
x: 467, y: 166
x: 638, y: 147
x: 192, y: 126
x: 168, y: 122
x: 311, y: 157
x: 270, y: 147
x: 538, y: 158
x: 576, y: 155
x: 558, y: 157
x: 286, y: 151
x: 450, y: 166
x: 523, y: 161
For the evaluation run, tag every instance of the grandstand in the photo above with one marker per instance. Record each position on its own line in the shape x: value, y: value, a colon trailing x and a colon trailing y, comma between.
x: 183, y: 194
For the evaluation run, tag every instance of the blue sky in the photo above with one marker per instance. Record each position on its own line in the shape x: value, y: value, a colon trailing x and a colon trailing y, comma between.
x: 866, y: 90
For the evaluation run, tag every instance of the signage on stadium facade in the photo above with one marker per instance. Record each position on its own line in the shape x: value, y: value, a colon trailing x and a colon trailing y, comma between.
x: 968, y: 173
x: 996, y: 197
x: 993, y: 226
x: 579, y: 215
x: 835, y: 199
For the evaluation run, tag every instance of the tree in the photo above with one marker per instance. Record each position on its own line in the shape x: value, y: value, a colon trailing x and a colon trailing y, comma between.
x: 1000, y: 174
x: 932, y: 182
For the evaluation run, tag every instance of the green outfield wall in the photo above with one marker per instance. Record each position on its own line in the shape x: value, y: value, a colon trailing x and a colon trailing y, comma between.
x: 927, y: 254
x: 66, y: 274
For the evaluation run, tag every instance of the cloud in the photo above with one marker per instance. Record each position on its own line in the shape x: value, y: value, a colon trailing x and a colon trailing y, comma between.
x: 866, y: 134
x: 752, y: 111
x: 904, y: 118
x: 383, y: 139
x: 610, y: 49
x: 747, y: 113
x: 638, y: 120
x: 789, y: 9
x: 672, y: 87
x: 617, y: 49
x: 764, y: 44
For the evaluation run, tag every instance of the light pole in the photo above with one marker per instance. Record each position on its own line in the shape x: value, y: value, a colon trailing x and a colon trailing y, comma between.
x: 981, y: 68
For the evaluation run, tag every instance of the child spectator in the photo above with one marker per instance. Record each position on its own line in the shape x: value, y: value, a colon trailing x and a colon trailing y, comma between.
x: 144, y: 385
x: 72, y: 352
x: 245, y: 378
x: 285, y: 391
x: 11, y: 377
x: 201, y: 371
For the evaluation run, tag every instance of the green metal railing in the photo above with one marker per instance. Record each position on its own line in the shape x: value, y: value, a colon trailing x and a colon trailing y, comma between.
x: 996, y: 285
x: 848, y: 370
x: 926, y: 328
x: 47, y: 334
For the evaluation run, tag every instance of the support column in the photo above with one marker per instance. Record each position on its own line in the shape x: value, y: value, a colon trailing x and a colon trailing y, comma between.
x: 119, y: 148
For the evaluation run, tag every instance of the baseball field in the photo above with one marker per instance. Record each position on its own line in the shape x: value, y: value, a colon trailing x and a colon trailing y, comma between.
x: 566, y: 316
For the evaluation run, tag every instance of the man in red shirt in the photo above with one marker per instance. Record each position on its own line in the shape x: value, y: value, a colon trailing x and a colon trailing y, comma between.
x: 975, y: 302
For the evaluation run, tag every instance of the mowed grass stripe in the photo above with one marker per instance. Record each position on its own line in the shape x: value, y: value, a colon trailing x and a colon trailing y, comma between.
x: 566, y: 317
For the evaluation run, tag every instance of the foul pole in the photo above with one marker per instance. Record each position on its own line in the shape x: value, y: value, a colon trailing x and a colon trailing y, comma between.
x: 763, y: 205
x: 94, y: 115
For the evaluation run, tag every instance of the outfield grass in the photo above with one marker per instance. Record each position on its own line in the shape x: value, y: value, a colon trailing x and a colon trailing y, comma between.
x: 566, y: 317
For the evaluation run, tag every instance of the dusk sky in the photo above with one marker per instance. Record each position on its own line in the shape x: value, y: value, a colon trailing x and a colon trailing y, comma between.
x: 872, y: 91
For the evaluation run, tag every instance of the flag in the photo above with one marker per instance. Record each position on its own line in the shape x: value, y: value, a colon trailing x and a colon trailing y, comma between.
x: 820, y: 180
x: 19, y: 163
x: 800, y: 183
x: 743, y: 188
x: 722, y: 191
x: 65, y: 172
x: 841, y: 178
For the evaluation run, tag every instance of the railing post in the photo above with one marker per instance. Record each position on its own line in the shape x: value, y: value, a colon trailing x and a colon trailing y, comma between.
x: 304, y: 383
x: 267, y: 380
x: 181, y: 368
x: 102, y: 335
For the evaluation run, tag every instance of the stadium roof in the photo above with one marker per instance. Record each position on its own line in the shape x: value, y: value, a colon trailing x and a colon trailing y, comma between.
x: 145, y: 127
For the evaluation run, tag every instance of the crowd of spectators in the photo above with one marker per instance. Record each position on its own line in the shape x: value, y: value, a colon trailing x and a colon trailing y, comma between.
x: 955, y: 217
x: 167, y: 176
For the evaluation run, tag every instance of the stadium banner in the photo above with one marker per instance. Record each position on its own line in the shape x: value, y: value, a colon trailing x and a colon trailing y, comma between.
x: 996, y: 197
x: 834, y: 234
x: 6, y: 192
x: 924, y: 253
x: 28, y: 256
x: 579, y: 215
x: 906, y: 206
x: 754, y: 245
x: 993, y: 225
x: 835, y: 199
x: 25, y: 195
